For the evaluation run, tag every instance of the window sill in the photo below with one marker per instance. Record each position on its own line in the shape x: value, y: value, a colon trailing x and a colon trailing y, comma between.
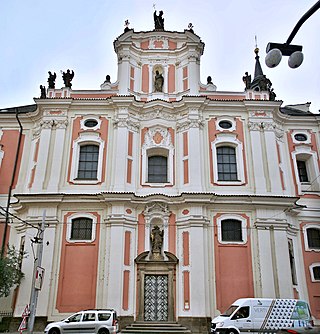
x: 230, y: 183
x: 85, y: 181
x: 157, y: 185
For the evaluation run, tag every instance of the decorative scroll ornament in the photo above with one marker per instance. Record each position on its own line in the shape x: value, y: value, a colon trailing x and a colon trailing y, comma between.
x: 157, y: 137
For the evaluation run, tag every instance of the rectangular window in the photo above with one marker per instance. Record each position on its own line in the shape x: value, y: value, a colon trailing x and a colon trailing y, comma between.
x: 231, y: 230
x: 157, y: 169
x: 316, y: 273
x: 227, y: 163
x: 81, y: 229
x: 88, y: 162
x: 292, y: 263
x: 313, y: 235
x: 302, y: 171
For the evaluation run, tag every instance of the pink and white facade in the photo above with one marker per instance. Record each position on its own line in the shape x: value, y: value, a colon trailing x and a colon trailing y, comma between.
x: 235, y: 189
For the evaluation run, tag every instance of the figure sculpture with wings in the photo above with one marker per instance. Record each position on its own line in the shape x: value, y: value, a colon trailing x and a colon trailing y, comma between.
x: 52, y: 79
x: 67, y: 78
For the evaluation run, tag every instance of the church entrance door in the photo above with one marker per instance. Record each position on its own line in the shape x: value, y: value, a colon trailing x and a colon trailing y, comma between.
x: 156, y: 297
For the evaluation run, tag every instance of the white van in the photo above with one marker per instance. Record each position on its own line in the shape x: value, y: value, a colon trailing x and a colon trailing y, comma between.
x: 262, y: 315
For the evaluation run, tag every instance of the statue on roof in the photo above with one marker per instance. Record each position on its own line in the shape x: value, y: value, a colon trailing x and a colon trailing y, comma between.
x: 158, y: 20
x: 67, y: 78
x: 158, y: 82
x: 126, y: 24
x: 51, y: 79
x: 209, y: 80
x: 247, y: 80
x: 272, y: 95
x: 43, y: 92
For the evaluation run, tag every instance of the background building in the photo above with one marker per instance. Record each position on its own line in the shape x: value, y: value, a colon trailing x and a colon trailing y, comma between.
x: 161, y: 191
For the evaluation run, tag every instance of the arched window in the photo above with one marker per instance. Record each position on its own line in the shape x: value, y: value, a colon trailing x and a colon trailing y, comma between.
x: 81, y: 229
x: 88, y: 162
x: 157, y: 169
x: 227, y: 163
x: 231, y: 230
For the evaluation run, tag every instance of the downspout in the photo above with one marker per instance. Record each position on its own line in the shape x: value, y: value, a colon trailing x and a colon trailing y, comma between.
x: 11, y: 186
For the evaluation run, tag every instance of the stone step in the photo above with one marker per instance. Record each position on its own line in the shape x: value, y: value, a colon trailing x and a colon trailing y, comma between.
x: 155, y: 328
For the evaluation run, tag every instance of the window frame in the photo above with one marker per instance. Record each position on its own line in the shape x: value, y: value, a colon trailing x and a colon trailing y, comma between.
x: 239, y: 218
x: 82, y: 140
x: 311, y: 267
x: 163, y: 148
x: 222, y: 174
x: 304, y: 153
x: 223, y: 231
x: 81, y: 215
x: 85, y: 162
x: 88, y: 128
x: 305, y: 236
x: 232, y: 141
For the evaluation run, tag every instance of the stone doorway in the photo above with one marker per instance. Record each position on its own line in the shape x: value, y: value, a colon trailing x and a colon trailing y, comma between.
x: 156, y: 288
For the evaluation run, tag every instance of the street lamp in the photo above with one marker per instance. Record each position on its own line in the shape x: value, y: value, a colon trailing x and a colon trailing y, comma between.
x: 275, y: 51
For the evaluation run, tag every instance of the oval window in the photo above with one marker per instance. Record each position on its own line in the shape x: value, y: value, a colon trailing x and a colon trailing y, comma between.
x: 300, y: 137
x: 225, y: 124
x: 90, y: 123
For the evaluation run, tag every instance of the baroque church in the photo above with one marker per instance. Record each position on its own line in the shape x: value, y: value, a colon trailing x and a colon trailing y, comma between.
x: 163, y: 197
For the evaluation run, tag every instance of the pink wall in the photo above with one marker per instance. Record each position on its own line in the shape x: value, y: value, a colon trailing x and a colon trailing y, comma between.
x: 9, y: 144
x: 233, y: 267
x: 310, y: 257
x: 78, y: 272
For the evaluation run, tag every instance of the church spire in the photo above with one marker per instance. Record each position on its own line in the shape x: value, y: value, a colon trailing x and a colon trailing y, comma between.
x: 258, y: 68
x: 260, y: 82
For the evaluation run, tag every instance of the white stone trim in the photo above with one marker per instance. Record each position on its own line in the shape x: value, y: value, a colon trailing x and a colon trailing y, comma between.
x: 243, y: 228
x: 305, y: 153
x: 89, y: 117
x: 83, y: 139
x: 228, y: 139
x: 305, y: 237
x: 316, y: 264
x: 304, y: 132
x: 81, y: 215
x: 164, y: 148
x: 227, y: 119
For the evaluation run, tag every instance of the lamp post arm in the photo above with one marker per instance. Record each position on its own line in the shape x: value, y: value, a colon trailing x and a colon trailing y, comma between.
x: 304, y: 18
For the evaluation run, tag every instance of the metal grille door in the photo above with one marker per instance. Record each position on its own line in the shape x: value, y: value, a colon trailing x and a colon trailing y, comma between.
x: 156, y: 298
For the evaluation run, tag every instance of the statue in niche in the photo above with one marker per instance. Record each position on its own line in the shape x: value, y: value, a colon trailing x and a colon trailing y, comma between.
x: 158, y: 20
x: 156, y: 240
x: 52, y: 79
x: 43, y: 92
x: 158, y: 82
x: 247, y: 80
x: 67, y: 78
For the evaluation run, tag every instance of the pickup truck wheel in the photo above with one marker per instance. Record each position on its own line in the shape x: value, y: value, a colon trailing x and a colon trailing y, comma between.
x: 232, y: 331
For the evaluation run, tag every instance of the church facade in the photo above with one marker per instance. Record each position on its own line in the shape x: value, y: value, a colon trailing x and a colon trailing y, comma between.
x: 163, y: 197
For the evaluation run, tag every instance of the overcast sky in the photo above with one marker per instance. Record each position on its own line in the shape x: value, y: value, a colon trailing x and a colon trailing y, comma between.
x: 38, y: 36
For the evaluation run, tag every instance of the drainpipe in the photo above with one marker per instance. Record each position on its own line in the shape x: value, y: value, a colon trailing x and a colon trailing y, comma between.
x: 11, y: 186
